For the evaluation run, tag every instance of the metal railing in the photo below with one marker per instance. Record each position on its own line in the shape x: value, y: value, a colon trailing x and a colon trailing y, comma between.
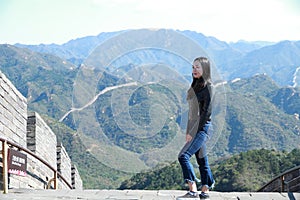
x: 288, y: 181
x: 5, y: 146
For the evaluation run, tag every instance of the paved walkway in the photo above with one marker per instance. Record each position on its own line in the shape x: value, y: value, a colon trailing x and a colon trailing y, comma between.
x: 28, y: 194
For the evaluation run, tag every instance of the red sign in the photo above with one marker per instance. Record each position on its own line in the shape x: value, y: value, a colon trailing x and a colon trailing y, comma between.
x: 17, y: 162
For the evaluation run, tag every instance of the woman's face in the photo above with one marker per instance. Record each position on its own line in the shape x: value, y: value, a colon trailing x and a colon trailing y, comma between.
x: 197, y: 69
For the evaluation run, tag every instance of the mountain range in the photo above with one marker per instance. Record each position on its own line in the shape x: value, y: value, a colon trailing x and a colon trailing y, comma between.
x: 233, y: 60
x: 128, y: 114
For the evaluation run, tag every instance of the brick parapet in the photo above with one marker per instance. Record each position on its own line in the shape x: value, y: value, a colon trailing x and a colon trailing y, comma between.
x: 29, y: 130
x: 64, y: 165
x: 13, y: 112
x: 41, y: 139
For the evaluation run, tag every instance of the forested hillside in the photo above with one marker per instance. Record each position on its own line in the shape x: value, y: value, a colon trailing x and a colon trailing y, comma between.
x: 246, y: 171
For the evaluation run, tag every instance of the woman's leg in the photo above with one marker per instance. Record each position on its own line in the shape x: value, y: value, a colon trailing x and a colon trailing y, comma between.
x: 187, y: 151
x: 207, y: 179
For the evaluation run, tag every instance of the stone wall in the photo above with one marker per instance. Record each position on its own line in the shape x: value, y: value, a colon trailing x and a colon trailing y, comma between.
x: 30, y: 131
x: 13, y: 112
x: 13, y: 120
x: 64, y: 166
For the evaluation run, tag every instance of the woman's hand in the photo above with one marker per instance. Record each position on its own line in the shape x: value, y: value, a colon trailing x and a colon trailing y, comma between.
x: 188, y: 138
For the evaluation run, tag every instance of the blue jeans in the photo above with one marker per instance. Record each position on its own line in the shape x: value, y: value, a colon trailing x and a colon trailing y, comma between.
x: 198, y: 147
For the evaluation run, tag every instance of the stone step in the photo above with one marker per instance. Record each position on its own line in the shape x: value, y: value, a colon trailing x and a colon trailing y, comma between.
x: 30, y: 194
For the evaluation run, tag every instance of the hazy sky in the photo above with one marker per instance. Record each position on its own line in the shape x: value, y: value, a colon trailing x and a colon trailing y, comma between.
x: 58, y: 21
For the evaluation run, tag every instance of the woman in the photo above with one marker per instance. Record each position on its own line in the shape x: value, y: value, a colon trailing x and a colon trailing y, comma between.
x: 198, y: 130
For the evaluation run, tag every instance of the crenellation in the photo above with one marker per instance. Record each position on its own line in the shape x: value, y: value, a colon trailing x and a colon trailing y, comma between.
x: 43, y: 139
x: 30, y: 131
x: 76, y: 180
x: 64, y: 166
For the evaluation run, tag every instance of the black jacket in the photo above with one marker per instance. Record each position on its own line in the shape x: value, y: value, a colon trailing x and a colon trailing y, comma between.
x: 200, y: 107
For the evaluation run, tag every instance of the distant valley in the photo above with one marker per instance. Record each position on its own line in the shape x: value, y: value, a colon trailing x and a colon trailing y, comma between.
x: 120, y: 131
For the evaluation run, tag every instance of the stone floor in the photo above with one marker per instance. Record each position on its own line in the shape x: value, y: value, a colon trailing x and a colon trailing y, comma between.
x: 28, y: 194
